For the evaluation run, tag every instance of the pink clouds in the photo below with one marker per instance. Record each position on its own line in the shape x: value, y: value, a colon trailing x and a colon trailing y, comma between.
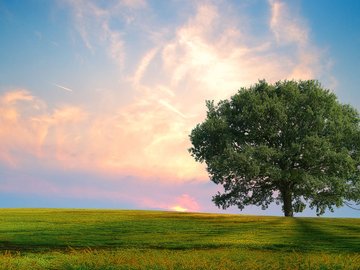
x: 185, y: 203
x: 140, y: 194
x: 138, y: 139
x: 29, y: 127
x: 182, y: 203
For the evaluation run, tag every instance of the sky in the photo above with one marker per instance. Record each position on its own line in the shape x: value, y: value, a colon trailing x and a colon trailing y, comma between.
x: 98, y: 98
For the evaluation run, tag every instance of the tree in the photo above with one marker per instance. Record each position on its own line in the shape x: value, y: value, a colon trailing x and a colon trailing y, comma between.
x: 290, y: 142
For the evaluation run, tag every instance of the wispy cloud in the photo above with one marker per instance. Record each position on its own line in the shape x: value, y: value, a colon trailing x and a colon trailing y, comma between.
x: 291, y: 32
x: 86, y: 16
x: 93, y: 22
x: 287, y: 26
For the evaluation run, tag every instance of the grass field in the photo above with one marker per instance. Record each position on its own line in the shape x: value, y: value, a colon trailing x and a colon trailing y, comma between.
x: 101, y: 239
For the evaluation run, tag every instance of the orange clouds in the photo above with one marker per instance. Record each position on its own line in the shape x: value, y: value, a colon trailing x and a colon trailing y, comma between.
x: 14, y: 133
x: 139, y: 139
x: 29, y: 128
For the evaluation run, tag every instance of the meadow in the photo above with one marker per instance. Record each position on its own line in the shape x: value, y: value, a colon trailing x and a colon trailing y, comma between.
x: 124, y: 239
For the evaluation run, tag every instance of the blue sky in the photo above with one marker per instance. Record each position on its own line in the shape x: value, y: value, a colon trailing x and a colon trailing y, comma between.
x: 98, y: 97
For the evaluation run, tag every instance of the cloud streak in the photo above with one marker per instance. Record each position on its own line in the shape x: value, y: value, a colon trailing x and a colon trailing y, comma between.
x: 62, y: 87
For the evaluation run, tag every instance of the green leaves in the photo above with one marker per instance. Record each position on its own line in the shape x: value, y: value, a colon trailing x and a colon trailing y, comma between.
x: 291, y: 137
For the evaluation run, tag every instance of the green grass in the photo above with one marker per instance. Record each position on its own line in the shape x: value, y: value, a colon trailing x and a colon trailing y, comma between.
x: 105, y: 239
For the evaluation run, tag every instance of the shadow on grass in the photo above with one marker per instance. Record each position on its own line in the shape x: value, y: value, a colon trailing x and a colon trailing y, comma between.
x: 309, y: 235
x: 320, y: 235
x: 9, y: 246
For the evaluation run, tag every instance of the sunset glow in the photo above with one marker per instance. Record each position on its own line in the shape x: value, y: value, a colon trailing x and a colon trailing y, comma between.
x: 178, y: 208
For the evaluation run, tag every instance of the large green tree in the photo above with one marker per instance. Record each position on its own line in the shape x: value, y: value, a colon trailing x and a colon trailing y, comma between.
x: 290, y: 142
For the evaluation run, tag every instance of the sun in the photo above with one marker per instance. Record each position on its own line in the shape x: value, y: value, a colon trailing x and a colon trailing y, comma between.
x: 178, y: 208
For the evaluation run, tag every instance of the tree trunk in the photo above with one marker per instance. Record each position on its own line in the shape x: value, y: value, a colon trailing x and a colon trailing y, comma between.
x: 287, y: 199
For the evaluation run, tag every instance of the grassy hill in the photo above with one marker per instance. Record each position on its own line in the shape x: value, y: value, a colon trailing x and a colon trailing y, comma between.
x: 108, y: 239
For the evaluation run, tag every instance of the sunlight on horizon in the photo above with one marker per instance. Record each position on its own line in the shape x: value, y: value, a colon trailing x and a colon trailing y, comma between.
x: 178, y: 208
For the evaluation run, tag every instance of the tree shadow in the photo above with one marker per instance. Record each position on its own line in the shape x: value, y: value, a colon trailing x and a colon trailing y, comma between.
x: 323, y: 235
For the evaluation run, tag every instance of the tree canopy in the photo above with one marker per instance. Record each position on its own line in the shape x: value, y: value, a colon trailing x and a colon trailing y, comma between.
x: 291, y: 142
